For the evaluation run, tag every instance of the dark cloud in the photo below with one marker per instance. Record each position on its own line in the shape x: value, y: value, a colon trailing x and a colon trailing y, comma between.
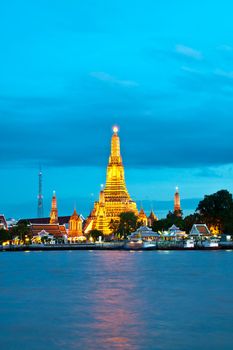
x: 81, y: 137
x: 170, y: 127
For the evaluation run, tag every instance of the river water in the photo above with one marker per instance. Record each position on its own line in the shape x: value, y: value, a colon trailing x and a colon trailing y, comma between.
x: 116, y: 300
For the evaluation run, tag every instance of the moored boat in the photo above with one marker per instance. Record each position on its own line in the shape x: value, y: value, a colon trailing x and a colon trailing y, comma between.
x: 189, y: 244
x: 149, y: 245
x: 134, y: 244
x: 209, y: 244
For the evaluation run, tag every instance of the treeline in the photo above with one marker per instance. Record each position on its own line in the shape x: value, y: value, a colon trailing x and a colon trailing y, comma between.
x: 20, y: 230
x: 215, y: 210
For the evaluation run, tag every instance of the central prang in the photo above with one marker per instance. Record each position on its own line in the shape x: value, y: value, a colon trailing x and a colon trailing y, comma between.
x: 114, y: 198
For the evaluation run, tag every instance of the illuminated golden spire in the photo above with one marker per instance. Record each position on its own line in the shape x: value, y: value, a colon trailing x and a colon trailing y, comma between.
x: 114, y: 198
x: 54, y: 211
x: 115, y: 189
x: 115, y: 147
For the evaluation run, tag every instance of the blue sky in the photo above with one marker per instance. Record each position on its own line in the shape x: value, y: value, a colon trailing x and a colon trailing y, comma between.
x: 69, y: 70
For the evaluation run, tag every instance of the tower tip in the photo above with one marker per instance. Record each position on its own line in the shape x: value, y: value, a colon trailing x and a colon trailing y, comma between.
x: 115, y: 129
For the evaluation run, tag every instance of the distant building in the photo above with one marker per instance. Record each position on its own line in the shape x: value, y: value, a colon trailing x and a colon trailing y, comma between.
x: 75, y: 225
x: 3, y: 223
x: 56, y: 230
x: 61, y: 220
x: 11, y: 222
x: 152, y: 218
x: 58, y: 226
x: 53, y: 225
x: 142, y: 218
x: 175, y: 231
x: 200, y: 230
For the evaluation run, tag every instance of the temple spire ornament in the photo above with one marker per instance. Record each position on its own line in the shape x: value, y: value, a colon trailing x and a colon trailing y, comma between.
x: 177, y: 206
x: 114, y: 197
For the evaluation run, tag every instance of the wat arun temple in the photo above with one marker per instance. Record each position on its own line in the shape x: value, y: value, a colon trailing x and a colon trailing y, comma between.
x: 114, y: 198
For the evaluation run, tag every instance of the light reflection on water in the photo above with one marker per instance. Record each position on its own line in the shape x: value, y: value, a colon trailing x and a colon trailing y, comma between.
x: 116, y: 300
x: 114, y: 310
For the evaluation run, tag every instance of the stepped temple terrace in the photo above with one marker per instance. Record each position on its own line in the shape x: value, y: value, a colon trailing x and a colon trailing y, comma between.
x: 114, y: 197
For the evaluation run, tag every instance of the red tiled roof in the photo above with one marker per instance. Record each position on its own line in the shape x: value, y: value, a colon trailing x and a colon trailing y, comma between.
x: 202, y: 229
x: 53, y: 229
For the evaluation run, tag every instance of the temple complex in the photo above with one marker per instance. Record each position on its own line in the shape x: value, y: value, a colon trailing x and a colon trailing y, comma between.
x: 177, y: 207
x: 114, y: 197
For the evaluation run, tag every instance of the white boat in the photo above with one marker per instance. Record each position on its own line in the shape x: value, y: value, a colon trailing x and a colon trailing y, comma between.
x: 213, y: 243
x: 148, y: 245
x: 138, y: 244
x: 189, y: 243
x: 209, y: 244
x: 134, y: 244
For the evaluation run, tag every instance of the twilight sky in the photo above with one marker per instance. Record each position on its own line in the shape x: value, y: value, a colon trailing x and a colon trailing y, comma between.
x: 161, y: 70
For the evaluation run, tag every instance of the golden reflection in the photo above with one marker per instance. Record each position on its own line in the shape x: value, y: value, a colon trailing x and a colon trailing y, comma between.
x: 115, y: 311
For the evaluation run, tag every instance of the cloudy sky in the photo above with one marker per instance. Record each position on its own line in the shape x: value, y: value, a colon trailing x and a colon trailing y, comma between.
x: 161, y: 70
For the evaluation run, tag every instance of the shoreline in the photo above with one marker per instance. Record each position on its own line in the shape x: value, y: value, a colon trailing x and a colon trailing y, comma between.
x: 101, y: 246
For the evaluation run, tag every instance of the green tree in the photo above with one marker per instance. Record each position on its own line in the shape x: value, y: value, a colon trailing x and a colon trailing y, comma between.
x: 217, y: 210
x: 5, y: 235
x: 178, y: 213
x: 113, y: 225
x: 165, y: 224
x: 190, y: 220
x: 21, y: 230
x: 127, y: 223
x: 161, y: 225
x: 95, y: 234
